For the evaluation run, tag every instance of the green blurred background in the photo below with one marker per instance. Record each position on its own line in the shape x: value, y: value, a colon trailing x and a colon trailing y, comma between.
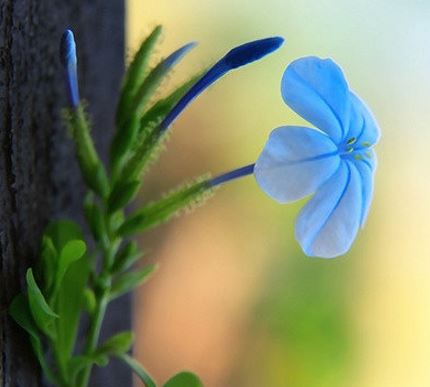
x: 235, y: 300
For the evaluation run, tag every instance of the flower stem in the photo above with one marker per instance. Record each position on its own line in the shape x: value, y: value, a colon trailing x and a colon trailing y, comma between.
x: 232, y: 175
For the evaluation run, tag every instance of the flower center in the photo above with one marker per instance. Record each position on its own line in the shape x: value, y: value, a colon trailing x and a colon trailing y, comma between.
x: 353, y: 148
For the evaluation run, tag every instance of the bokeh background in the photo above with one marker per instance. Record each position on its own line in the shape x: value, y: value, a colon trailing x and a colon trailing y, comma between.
x: 235, y: 300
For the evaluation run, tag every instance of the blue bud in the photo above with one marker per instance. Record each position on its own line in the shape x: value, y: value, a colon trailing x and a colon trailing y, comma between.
x: 237, y: 57
x: 69, y: 61
x: 178, y: 54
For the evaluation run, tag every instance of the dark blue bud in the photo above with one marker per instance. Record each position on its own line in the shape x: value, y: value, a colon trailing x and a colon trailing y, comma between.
x: 252, y: 51
x: 69, y: 61
x: 239, y: 56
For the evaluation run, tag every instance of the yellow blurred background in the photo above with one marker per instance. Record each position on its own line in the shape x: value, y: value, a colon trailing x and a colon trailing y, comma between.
x: 234, y: 299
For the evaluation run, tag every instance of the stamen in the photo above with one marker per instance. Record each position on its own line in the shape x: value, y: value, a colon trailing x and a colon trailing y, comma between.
x: 366, y: 144
x: 351, y: 141
x: 235, y: 58
x: 232, y: 175
x: 69, y: 60
x: 358, y: 157
x: 349, y: 149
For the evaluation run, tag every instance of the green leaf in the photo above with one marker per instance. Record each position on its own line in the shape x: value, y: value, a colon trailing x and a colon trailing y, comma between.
x: 138, y: 370
x: 136, y: 73
x: 78, y: 363
x: 19, y: 310
x: 71, y: 252
x: 117, y: 344
x: 49, y: 258
x: 122, y: 194
x: 184, y: 379
x: 42, y: 314
x: 184, y: 198
x: 70, y: 296
x: 70, y: 302
x: 126, y: 257
x: 128, y: 281
x: 63, y: 231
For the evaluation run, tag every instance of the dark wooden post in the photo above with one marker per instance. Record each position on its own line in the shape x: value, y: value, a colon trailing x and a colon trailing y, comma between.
x: 38, y: 175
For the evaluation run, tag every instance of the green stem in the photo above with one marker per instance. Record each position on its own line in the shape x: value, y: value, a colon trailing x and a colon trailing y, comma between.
x: 103, y: 297
x: 94, y: 333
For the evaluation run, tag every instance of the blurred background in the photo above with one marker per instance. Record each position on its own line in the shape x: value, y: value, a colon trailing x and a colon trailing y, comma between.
x: 235, y: 300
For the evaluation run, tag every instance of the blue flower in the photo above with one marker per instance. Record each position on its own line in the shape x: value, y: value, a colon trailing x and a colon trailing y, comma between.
x: 334, y: 162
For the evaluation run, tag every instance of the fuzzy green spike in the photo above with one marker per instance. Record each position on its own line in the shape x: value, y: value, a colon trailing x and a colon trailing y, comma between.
x: 122, y: 194
x: 148, y: 143
x: 184, y: 198
x: 136, y: 73
x: 123, y: 141
x: 145, y: 152
x: 91, y: 166
x: 153, y: 80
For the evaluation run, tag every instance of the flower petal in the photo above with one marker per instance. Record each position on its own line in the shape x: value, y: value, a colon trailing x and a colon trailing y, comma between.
x: 317, y: 90
x: 366, y: 167
x: 363, y: 125
x: 328, y: 224
x: 295, y: 162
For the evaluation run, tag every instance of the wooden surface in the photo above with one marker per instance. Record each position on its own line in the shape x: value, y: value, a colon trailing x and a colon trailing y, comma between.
x: 38, y: 174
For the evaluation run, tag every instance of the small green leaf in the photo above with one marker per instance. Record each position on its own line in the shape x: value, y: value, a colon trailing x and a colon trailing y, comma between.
x: 184, y: 198
x: 49, y: 258
x: 126, y: 257
x: 138, y: 370
x: 117, y: 344
x: 42, y: 314
x: 184, y: 379
x: 78, y: 363
x: 122, y: 194
x: 69, y: 300
x: 128, y: 281
x: 89, y: 301
x: 19, y: 310
x: 63, y: 231
x: 71, y: 252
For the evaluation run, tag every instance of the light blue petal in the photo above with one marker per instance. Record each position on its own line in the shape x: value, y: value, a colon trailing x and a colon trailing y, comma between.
x: 294, y: 162
x: 366, y: 167
x: 317, y: 90
x: 363, y: 125
x: 328, y: 224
